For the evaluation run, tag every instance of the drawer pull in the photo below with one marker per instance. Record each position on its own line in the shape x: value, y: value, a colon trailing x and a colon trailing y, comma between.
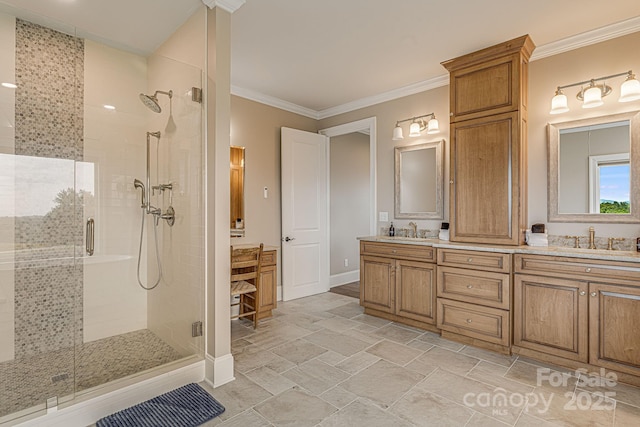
x: 469, y: 259
x: 393, y: 251
x: 468, y: 320
x: 469, y: 286
x: 583, y: 293
x: 594, y: 294
x: 588, y: 270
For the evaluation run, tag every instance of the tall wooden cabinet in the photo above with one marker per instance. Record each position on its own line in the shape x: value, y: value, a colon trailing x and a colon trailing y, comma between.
x: 488, y: 153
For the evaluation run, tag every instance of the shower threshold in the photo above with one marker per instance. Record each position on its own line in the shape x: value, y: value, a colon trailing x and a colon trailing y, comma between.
x: 30, y: 381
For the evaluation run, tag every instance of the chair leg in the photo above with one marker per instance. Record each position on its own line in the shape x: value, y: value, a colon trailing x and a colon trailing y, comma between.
x: 256, y: 309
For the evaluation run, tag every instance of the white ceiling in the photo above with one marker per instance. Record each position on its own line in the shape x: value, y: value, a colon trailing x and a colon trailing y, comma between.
x: 326, y: 56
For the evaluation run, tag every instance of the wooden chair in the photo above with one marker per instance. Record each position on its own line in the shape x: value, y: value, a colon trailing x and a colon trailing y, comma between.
x: 245, y: 281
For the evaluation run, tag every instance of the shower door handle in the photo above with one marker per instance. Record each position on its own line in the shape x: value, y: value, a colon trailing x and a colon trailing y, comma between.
x: 90, y: 236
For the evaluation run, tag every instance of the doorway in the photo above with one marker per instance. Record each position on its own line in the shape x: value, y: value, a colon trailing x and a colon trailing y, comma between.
x: 352, y: 195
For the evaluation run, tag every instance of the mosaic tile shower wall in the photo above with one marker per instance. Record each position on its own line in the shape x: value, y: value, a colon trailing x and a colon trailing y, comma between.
x: 48, y: 125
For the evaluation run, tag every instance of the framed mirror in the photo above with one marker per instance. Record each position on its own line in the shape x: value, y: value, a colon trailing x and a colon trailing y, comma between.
x: 593, y: 168
x: 419, y: 181
x: 236, y: 216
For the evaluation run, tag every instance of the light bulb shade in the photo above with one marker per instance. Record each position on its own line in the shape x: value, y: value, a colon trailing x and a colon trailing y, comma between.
x: 630, y: 90
x: 592, y: 97
x: 433, y: 126
x: 414, y: 129
x: 559, y: 104
x: 397, y: 133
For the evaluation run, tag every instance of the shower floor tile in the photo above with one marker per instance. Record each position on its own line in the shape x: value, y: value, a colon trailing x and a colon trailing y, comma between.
x: 30, y: 381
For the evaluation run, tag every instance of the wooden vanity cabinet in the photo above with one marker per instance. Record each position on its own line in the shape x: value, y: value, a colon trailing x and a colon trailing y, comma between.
x: 568, y: 309
x: 551, y: 315
x: 473, y: 297
x: 488, y: 150
x: 614, y: 327
x: 268, y: 283
x: 398, y: 282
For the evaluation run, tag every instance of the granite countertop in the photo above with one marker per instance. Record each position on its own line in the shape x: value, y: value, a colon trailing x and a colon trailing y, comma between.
x: 600, y: 254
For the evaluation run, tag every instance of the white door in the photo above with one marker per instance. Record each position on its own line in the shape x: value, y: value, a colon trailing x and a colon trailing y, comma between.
x: 305, y: 249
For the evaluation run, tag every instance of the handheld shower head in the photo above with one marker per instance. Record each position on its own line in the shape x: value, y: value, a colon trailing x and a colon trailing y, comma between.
x: 151, y: 101
x: 138, y: 184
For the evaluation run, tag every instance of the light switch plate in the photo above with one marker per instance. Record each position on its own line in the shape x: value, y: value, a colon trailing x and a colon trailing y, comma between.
x: 383, y: 216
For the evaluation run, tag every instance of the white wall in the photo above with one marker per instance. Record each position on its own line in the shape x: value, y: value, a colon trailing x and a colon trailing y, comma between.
x: 7, y: 184
x: 114, y: 141
x: 349, y: 201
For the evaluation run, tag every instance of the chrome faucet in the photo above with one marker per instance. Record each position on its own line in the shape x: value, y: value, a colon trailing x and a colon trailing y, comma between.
x: 592, y: 238
x: 414, y: 228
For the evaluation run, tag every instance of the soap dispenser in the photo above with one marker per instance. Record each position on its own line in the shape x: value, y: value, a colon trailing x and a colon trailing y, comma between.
x: 392, y: 231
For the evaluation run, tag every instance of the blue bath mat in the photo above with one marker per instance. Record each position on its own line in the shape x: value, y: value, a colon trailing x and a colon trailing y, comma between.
x: 187, y: 406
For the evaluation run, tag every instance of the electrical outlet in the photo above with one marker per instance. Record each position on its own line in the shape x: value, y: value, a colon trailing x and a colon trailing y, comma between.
x: 383, y: 216
x: 346, y: 262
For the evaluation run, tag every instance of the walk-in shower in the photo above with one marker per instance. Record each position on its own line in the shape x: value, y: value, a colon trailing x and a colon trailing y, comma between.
x: 74, y: 322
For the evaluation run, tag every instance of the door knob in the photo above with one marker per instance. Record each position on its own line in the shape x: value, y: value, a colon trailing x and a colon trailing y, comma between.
x: 288, y: 239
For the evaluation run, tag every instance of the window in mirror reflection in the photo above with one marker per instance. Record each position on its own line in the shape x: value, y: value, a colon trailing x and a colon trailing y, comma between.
x: 594, y: 173
x: 236, y: 216
x: 611, y: 179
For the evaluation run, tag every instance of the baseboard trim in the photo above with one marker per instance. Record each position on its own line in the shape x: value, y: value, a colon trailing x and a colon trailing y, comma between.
x: 344, y: 278
x: 88, y: 411
x: 219, y: 370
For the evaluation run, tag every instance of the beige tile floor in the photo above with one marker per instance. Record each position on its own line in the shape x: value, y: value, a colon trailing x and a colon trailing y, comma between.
x: 321, y: 362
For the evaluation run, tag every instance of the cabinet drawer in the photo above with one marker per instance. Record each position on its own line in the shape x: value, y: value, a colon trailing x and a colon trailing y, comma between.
x: 269, y: 258
x: 474, y: 321
x: 398, y: 250
x: 489, y: 261
x: 478, y: 287
x: 584, y: 269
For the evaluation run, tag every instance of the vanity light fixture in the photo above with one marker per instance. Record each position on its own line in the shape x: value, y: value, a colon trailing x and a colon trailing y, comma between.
x: 591, y: 96
x: 418, y: 125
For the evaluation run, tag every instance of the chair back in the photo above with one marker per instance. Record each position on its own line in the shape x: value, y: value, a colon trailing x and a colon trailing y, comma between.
x: 246, y: 263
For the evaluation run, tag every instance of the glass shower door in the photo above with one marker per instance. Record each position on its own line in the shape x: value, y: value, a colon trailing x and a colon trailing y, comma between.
x: 40, y: 216
x: 127, y: 329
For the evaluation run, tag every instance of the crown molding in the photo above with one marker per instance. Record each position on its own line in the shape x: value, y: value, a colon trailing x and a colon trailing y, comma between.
x: 228, y: 5
x: 598, y: 35
x: 368, y: 101
x: 274, y: 102
x: 554, y: 48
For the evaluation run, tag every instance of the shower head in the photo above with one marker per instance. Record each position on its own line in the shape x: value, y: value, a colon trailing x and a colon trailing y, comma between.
x: 151, y: 101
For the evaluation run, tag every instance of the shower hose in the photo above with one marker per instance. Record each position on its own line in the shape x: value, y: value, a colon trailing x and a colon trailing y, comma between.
x: 155, y: 234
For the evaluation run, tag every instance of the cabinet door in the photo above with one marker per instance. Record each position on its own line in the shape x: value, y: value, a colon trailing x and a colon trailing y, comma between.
x: 485, y: 180
x: 614, y: 316
x: 491, y: 87
x: 550, y: 316
x: 415, y: 290
x: 268, y: 283
x: 377, y: 277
